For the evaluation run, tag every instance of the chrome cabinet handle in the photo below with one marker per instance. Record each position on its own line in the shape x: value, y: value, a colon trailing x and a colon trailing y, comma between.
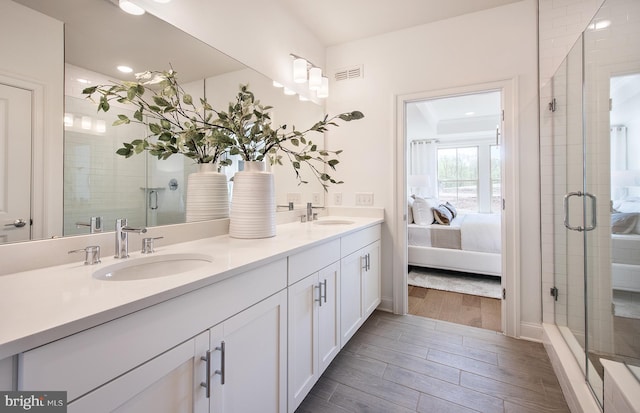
x: 207, y: 383
x: 593, y: 212
x: 319, y: 288
x: 220, y: 372
x: 324, y: 283
x: 18, y: 223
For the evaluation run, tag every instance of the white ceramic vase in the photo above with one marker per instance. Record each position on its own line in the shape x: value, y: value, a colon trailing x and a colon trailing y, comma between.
x: 253, y: 203
x: 207, y: 194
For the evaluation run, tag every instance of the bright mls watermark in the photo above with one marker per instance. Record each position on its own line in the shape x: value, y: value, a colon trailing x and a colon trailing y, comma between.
x: 33, y: 401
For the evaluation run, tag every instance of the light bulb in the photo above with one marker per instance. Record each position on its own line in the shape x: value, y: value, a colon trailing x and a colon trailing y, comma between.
x: 299, y: 70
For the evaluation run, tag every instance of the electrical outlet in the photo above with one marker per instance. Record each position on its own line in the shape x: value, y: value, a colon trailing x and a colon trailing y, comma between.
x: 315, y: 198
x: 364, y: 198
x: 337, y: 198
x: 295, y: 197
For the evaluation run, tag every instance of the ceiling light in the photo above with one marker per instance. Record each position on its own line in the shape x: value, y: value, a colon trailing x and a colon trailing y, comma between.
x: 323, y: 91
x: 299, y: 70
x: 289, y: 92
x: 315, y: 78
x: 125, y: 69
x: 470, y: 113
x: 303, y: 98
x: 276, y: 84
x: 130, y: 7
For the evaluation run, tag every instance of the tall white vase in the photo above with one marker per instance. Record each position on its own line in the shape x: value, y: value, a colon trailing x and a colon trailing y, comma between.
x: 253, y: 203
x: 207, y: 194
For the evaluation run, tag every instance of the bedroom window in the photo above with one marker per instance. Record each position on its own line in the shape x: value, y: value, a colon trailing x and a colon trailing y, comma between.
x: 458, y: 177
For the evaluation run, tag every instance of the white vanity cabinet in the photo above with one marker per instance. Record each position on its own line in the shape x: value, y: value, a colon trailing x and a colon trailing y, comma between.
x: 314, y: 316
x: 314, y: 329
x: 168, y: 383
x: 248, y: 356
x: 360, y: 287
x: 156, y: 353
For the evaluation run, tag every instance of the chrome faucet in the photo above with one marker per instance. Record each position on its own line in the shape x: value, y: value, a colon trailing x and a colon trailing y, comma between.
x: 94, y: 224
x: 122, y: 237
x: 309, y: 212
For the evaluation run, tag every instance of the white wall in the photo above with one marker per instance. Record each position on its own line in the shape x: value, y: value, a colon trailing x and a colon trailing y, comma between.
x: 488, y: 46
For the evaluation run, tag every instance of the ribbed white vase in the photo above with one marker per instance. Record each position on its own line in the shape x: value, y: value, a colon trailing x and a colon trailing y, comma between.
x: 207, y: 194
x: 253, y: 203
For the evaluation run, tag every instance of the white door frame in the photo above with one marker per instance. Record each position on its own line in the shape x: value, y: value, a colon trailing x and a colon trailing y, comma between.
x: 510, y: 226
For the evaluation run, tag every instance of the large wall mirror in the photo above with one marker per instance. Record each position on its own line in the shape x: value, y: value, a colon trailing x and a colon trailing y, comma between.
x: 94, y: 181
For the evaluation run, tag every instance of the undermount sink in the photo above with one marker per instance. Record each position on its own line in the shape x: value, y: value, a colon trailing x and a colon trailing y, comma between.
x: 334, y: 222
x: 153, y: 266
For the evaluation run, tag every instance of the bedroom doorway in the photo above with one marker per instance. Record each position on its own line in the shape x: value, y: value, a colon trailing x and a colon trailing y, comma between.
x: 454, y: 178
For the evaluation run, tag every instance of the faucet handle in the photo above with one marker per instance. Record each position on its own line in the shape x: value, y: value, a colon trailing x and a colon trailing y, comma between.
x: 92, y: 254
x: 147, y: 245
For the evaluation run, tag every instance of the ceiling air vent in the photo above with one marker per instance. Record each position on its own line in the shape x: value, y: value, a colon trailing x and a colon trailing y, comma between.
x: 353, y: 72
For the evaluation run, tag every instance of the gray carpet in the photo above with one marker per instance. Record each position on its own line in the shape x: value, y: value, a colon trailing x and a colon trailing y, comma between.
x: 484, y: 286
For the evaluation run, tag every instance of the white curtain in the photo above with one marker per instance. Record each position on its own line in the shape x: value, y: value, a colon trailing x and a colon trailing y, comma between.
x: 421, y: 171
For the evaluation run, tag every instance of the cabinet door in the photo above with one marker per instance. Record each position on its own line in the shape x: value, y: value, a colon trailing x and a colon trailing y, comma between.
x: 169, y: 383
x: 371, y: 279
x: 329, y: 315
x: 351, y: 315
x: 304, y: 297
x: 249, y: 359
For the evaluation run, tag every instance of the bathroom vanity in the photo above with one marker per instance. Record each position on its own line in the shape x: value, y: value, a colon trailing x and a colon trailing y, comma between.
x: 250, y: 329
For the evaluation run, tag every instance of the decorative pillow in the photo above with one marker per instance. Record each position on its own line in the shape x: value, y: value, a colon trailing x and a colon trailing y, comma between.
x: 410, y: 210
x: 442, y: 215
x: 451, y: 208
x: 623, y: 223
x: 422, y: 210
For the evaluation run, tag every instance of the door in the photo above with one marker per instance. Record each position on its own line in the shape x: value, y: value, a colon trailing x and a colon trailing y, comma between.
x: 168, y: 383
x: 15, y: 153
x: 249, y: 359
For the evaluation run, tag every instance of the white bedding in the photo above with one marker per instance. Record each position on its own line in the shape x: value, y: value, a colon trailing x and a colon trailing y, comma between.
x: 478, y: 232
x: 481, y: 232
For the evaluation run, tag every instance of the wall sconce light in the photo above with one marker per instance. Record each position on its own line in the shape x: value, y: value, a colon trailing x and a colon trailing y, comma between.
x: 85, y: 122
x: 101, y: 126
x: 68, y: 120
x: 323, y: 91
x: 299, y: 70
x: 303, y: 70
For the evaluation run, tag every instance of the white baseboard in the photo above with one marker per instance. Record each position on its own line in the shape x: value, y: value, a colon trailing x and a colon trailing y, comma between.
x: 386, y: 304
x: 531, y: 332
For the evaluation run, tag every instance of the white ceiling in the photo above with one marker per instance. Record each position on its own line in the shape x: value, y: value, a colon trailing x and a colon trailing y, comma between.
x: 339, y: 21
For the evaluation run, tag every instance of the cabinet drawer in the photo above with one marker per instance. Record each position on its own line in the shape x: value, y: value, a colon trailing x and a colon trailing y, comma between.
x: 357, y: 240
x: 314, y: 259
x: 81, y: 362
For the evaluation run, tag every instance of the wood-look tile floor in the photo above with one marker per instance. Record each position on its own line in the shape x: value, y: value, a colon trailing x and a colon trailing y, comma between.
x: 470, y: 310
x: 414, y: 364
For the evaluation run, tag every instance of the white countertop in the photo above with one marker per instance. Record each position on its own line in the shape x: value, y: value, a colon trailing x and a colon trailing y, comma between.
x: 43, y: 305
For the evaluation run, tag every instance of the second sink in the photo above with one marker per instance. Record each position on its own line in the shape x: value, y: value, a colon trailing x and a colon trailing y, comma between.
x: 152, y: 267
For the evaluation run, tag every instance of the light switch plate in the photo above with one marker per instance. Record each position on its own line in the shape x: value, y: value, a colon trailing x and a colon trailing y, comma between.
x: 315, y: 198
x: 337, y: 198
x: 364, y: 198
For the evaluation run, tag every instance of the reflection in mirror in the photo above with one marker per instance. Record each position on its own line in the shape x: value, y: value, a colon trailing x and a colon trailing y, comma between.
x: 146, y: 191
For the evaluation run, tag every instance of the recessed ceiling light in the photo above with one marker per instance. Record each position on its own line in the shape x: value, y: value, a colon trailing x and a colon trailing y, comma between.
x: 289, y: 92
x: 470, y: 113
x: 125, y: 69
x: 130, y: 7
x: 83, y: 81
x: 277, y: 84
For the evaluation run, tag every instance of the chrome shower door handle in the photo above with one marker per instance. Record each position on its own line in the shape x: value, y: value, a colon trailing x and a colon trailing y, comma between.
x: 565, y: 202
x: 594, y: 219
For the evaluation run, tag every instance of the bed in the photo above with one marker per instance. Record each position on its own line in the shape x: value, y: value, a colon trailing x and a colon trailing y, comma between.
x: 468, y: 243
x: 625, y: 245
